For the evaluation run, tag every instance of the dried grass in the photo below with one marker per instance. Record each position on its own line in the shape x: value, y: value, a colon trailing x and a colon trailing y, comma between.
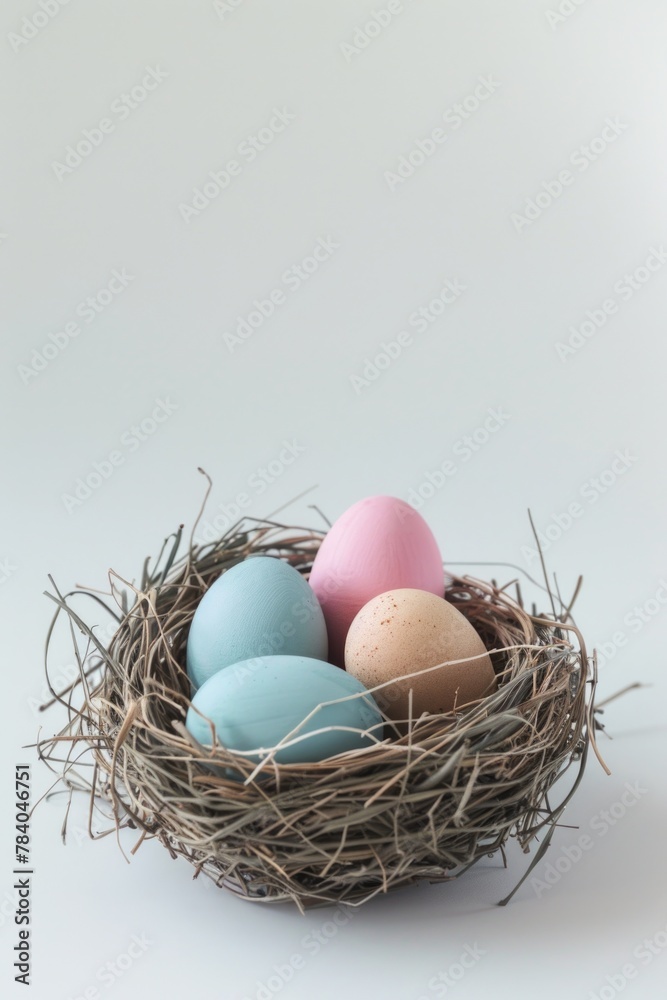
x: 423, y: 806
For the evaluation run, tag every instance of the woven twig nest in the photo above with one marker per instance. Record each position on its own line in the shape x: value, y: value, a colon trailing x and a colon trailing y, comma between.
x: 425, y: 806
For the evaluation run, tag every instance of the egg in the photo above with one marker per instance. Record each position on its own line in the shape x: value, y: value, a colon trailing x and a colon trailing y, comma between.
x: 254, y: 704
x: 260, y: 607
x: 379, y: 544
x: 406, y: 630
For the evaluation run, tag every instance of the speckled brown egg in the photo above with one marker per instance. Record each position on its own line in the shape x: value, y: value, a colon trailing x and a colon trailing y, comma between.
x: 402, y: 631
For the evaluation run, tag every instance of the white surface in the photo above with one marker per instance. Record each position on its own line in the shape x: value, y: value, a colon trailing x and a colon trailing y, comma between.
x: 163, y: 338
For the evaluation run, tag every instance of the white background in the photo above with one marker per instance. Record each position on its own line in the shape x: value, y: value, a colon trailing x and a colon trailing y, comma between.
x: 356, y: 112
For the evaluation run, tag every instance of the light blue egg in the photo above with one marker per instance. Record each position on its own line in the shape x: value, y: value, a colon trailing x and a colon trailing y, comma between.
x: 260, y: 607
x: 255, y: 703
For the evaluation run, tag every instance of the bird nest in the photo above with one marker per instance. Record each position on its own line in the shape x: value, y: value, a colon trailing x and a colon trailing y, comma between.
x: 421, y: 805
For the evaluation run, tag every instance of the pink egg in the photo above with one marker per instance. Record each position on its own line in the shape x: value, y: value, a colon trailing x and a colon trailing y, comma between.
x: 379, y: 544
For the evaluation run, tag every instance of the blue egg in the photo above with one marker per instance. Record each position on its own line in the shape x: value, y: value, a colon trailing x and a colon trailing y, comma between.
x: 254, y: 704
x: 260, y: 607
